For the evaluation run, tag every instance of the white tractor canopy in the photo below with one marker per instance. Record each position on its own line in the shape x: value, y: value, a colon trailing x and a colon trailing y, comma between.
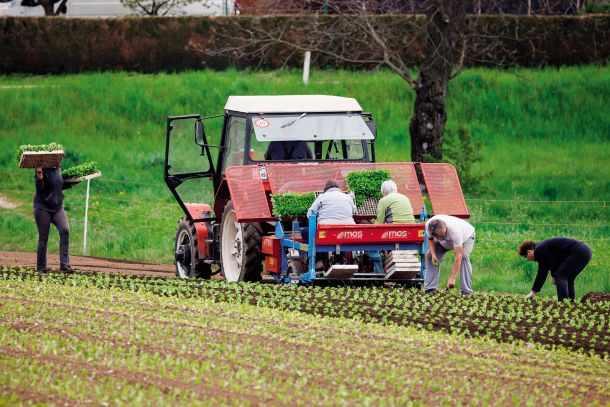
x: 292, y: 104
x: 303, y: 117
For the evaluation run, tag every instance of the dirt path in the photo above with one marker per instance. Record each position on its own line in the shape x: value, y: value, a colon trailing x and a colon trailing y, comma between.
x: 90, y: 264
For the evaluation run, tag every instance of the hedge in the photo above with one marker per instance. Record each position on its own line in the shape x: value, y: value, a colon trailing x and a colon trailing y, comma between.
x: 40, y: 45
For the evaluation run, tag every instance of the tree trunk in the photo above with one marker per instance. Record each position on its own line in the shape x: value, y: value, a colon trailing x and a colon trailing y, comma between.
x: 47, y: 5
x: 443, y: 52
x: 429, y: 117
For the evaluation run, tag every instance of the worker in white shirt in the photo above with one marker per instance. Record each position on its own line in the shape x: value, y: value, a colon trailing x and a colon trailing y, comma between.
x: 449, y: 233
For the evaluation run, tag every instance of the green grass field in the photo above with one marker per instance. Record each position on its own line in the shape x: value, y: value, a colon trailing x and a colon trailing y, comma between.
x: 546, y: 136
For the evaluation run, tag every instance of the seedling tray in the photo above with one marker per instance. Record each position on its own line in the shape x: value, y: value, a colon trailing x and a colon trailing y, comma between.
x: 44, y: 159
x: 83, y: 178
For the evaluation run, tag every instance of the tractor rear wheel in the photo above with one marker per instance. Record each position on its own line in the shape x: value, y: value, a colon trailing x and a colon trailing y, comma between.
x: 240, y: 248
x: 188, y: 264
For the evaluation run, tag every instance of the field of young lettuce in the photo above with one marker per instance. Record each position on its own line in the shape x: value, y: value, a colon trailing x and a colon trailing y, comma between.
x: 582, y: 327
x: 63, y: 340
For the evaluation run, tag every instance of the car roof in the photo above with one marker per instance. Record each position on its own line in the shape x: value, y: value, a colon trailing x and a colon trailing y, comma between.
x: 292, y: 104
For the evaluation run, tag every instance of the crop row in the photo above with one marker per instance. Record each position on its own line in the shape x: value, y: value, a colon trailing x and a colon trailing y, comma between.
x: 581, y: 326
x: 83, y: 345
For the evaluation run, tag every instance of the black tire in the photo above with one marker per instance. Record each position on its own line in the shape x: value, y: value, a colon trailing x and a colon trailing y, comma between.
x: 250, y: 249
x: 186, y: 258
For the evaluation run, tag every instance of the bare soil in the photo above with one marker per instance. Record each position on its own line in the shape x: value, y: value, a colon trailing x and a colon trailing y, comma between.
x: 596, y: 297
x: 90, y: 264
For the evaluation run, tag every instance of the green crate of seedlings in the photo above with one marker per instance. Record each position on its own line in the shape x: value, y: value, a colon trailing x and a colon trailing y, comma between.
x: 81, y: 172
x: 367, y: 184
x: 291, y: 204
x: 40, y: 155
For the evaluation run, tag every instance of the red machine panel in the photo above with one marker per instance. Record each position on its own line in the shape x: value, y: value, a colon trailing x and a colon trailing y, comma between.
x: 198, y: 210
x: 444, y: 189
x: 248, y: 194
x: 272, y: 245
x: 370, y: 234
x: 305, y: 177
x: 272, y: 264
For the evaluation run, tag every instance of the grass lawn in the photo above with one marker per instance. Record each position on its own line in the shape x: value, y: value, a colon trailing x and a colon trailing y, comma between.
x: 545, y: 134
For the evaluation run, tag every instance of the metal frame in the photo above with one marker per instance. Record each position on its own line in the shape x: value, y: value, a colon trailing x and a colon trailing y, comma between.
x: 312, y: 248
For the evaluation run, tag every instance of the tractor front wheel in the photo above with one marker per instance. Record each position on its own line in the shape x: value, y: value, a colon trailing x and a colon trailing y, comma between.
x: 188, y: 264
x: 240, y: 248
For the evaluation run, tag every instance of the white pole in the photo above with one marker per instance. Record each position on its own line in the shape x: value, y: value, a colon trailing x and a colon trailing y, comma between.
x: 86, y: 213
x: 306, y: 67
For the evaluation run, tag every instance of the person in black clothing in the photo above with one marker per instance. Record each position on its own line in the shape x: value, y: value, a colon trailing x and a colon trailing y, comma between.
x: 288, y: 150
x: 565, y: 258
x: 48, y: 208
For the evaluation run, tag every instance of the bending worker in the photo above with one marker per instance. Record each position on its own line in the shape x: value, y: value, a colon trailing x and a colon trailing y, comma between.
x: 394, y: 207
x: 449, y: 233
x: 565, y: 258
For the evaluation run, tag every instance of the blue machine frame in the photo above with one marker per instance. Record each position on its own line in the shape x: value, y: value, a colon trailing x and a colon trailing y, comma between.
x: 311, y: 249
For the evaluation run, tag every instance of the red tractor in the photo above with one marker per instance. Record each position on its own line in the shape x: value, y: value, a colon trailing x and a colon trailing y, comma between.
x: 277, y: 144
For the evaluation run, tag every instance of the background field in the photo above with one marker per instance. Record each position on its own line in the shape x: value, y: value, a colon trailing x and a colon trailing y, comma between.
x: 546, y: 136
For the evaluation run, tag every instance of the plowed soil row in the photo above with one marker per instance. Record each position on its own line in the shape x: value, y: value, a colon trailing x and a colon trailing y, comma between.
x: 90, y: 264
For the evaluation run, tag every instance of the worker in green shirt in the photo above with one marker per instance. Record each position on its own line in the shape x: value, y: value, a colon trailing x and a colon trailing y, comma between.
x: 392, y: 208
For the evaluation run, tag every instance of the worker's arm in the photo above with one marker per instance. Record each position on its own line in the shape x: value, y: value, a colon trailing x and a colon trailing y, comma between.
x: 432, y: 248
x: 381, y: 208
x: 457, y: 262
x: 39, y: 178
x: 543, y: 271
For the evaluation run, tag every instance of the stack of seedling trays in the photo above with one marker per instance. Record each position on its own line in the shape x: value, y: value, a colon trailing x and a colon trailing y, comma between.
x: 41, y: 155
x: 402, y: 264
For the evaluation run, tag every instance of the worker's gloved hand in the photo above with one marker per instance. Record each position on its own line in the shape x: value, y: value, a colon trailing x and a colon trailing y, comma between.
x: 434, y: 260
x: 532, y: 294
x: 451, y: 282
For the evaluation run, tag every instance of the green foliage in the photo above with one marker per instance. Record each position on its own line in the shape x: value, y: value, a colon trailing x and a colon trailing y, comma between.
x: 598, y: 7
x: 37, y: 148
x: 84, y: 345
x: 462, y: 151
x: 289, y: 204
x: 81, y: 170
x: 367, y: 184
x: 504, y: 318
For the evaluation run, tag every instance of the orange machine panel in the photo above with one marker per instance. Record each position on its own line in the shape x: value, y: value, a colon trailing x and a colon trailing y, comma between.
x: 444, y: 189
x: 248, y: 194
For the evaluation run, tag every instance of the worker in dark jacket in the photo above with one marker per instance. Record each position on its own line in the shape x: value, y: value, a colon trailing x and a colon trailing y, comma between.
x: 48, y: 208
x: 565, y: 258
x: 288, y: 150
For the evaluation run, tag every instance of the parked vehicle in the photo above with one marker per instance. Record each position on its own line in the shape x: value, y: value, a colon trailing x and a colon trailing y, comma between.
x: 243, y: 174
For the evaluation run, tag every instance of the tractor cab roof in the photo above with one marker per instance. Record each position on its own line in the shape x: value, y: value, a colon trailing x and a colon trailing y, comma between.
x: 292, y: 104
